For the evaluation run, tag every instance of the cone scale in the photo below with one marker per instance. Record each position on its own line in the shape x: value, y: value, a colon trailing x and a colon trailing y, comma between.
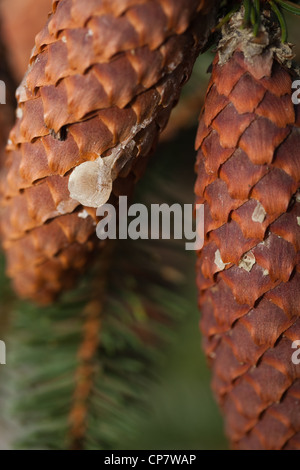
x: 248, y: 167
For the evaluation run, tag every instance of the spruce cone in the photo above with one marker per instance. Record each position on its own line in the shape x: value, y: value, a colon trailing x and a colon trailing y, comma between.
x: 103, y: 78
x: 248, y: 167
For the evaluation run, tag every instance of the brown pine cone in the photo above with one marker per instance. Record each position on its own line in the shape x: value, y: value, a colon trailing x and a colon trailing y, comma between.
x: 103, y: 78
x: 248, y: 276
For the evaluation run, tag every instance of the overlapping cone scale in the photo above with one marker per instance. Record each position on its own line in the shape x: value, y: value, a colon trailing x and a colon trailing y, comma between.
x: 102, y: 80
x: 248, y: 167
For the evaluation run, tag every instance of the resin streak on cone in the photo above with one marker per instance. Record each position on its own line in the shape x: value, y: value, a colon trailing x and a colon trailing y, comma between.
x: 248, y: 275
x: 103, y: 78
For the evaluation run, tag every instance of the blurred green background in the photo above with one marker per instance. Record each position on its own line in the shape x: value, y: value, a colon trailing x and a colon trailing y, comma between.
x: 183, y: 412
